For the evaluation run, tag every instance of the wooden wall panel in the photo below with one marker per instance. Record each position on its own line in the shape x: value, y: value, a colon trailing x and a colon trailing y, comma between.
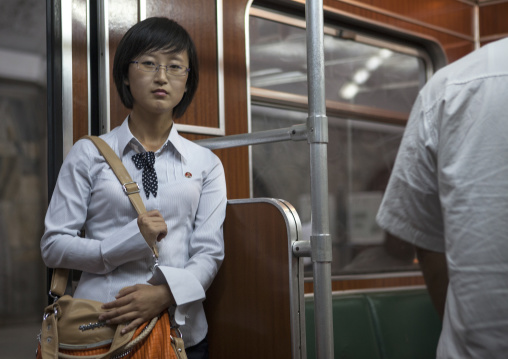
x: 202, y: 27
x: 493, y: 23
x: 122, y: 14
x: 248, y: 304
x: 235, y: 160
x: 79, y: 70
x: 451, y: 15
x: 454, y: 38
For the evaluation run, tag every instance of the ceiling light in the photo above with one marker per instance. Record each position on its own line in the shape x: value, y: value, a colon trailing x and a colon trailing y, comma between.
x: 349, y: 91
x: 373, y: 63
x: 385, y: 53
x: 361, y: 76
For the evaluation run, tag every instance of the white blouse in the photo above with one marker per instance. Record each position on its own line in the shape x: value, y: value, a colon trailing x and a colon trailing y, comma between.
x: 191, y: 197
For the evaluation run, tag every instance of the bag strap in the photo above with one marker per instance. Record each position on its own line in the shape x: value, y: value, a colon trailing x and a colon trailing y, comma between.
x: 131, y: 189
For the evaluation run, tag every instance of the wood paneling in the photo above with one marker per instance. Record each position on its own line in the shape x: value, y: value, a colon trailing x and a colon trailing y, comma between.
x: 79, y: 70
x: 235, y: 160
x: 122, y: 14
x: 450, y: 15
x: 248, y: 304
x: 493, y: 24
x: 202, y: 27
x: 401, y: 16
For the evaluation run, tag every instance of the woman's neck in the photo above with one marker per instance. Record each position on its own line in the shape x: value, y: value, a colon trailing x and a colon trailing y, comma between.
x: 152, y: 132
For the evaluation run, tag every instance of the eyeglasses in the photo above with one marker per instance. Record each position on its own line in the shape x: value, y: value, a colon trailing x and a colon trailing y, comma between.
x: 149, y: 66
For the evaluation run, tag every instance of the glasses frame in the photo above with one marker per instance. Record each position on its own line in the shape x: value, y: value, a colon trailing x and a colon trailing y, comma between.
x: 158, y: 66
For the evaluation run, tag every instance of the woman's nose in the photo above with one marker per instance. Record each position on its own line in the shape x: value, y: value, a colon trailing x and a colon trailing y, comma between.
x: 161, y: 74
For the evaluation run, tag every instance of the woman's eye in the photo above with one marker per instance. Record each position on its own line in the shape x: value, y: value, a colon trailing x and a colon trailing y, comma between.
x: 175, y: 67
x: 148, y: 63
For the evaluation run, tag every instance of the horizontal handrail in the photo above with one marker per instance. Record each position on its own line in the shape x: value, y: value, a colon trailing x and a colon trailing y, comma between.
x: 293, y: 133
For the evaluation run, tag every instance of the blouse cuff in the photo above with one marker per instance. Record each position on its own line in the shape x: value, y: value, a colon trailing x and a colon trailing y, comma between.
x: 186, y: 289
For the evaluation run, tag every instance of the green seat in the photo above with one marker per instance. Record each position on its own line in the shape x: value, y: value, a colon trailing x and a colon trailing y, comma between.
x: 408, y: 324
x: 354, y: 334
x: 390, y: 324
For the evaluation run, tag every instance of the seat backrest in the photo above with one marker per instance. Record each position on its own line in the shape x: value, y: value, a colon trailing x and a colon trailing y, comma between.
x: 408, y: 324
x: 385, y: 324
x: 253, y: 306
x: 354, y: 332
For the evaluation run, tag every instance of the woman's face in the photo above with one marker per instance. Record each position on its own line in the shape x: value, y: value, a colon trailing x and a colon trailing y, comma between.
x: 157, y: 92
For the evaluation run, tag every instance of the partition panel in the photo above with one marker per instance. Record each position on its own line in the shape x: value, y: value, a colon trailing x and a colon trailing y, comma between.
x: 255, y: 304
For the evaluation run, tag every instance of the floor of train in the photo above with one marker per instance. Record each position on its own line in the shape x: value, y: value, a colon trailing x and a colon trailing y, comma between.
x: 19, y: 341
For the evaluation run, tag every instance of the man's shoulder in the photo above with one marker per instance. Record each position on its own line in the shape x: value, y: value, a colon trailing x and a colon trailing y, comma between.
x: 490, y: 60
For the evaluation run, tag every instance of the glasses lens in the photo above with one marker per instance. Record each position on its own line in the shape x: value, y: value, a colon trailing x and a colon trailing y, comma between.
x: 176, y: 70
x: 147, y: 66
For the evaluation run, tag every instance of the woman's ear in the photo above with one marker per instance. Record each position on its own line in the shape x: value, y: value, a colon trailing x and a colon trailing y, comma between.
x: 126, y: 81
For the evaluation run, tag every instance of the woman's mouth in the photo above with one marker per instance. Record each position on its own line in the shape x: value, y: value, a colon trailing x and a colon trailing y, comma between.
x: 160, y: 92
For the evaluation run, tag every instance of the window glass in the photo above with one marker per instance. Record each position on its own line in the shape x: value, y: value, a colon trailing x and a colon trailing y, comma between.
x: 23, y: 201
x: 356, y: 73
x: 361, y: 153
x: 360, y: 158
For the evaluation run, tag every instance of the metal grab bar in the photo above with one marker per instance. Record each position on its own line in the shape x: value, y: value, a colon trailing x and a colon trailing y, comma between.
x: 317, y: 123
x: 293, y: 133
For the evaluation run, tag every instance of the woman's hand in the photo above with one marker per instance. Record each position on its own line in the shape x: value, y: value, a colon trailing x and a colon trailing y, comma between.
x: 137, y: 304
x: 152, y: 226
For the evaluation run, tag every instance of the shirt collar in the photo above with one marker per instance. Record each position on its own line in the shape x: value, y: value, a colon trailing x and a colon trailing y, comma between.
x: 177, y: 141
x: 125, y: 137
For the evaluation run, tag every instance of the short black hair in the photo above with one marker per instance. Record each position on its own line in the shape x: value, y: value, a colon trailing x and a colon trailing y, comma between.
x: 154, y: 34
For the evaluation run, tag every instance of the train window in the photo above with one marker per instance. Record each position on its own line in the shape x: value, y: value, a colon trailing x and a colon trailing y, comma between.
x: 372, y: 73
x: 378, y: 82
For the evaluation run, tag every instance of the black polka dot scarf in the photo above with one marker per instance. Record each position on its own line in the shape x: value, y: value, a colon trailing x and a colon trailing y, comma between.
x: 146, y: 161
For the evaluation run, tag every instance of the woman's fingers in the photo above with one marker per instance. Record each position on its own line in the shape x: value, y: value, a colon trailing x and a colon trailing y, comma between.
x: 152, y: 226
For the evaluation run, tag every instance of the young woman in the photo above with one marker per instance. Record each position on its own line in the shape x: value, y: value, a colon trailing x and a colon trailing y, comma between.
x: 182, y: 185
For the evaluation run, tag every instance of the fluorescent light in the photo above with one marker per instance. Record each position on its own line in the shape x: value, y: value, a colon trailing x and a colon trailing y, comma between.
x: 373, y: 63
x: 385, y: 53
x: 361, y: 76
x: 349, y: 90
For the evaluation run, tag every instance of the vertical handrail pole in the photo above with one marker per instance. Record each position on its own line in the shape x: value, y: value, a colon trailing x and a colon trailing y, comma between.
x: 317, y: 128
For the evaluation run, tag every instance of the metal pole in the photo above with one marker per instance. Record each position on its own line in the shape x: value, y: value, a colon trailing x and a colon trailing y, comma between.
x: 317, y: 126
x: 293, y: 133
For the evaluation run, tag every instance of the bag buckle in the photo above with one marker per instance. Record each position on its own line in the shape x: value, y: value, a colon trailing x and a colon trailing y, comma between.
x: 54, y: 296
x: 131, y: 190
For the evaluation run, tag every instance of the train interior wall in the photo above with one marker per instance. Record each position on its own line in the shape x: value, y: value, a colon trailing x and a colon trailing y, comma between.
x: 456, y: 25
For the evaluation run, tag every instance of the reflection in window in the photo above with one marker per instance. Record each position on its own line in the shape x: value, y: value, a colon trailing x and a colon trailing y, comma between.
x: 360, y: 153
x: 360, y: 158
x: 356, y: 73
x: 22, y: 200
